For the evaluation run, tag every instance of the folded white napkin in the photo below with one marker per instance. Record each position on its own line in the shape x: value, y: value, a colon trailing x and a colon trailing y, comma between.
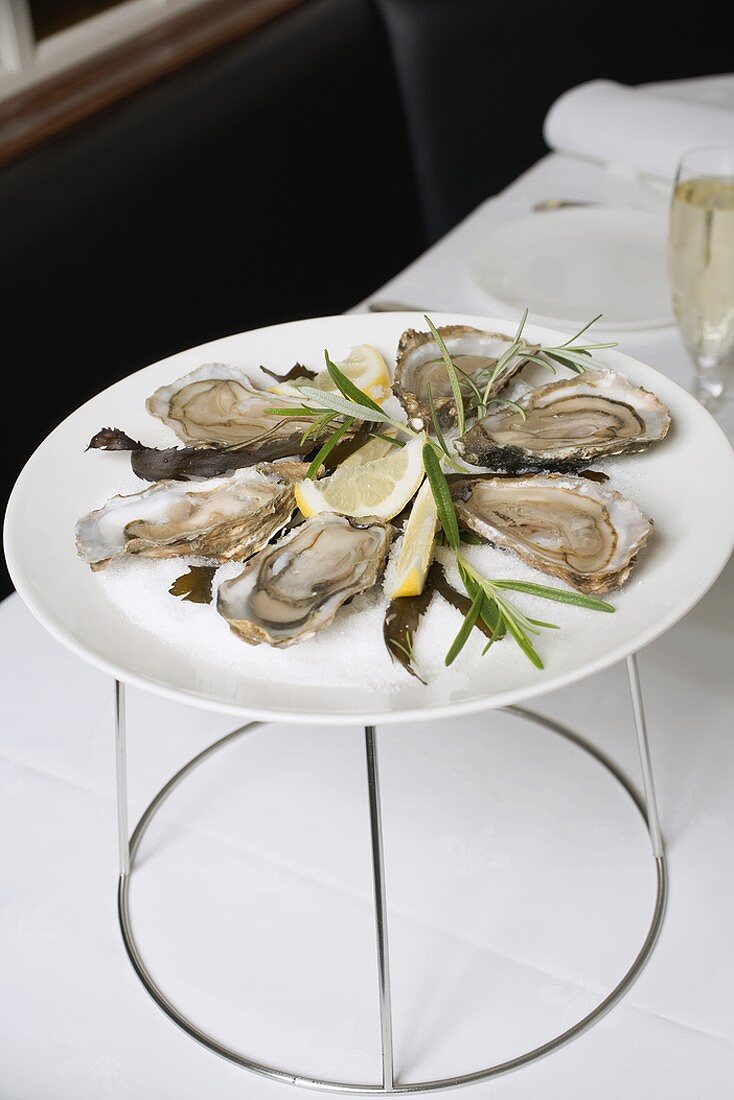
x: 646, y: 129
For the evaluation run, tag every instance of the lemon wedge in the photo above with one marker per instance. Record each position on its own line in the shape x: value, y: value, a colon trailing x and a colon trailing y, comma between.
x: 379, y: 488
x: 416, y: 550
x: 364, y: 366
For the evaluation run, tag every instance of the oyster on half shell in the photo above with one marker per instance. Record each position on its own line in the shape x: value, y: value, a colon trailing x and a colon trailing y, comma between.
x: 226, y: 519
x: 567, y: 424
x: 295, y: 588
x: 419, y: 365
x: 218, y: 406
x: 578, y: 530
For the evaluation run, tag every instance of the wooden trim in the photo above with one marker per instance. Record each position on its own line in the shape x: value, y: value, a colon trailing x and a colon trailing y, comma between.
x: 36, y: 114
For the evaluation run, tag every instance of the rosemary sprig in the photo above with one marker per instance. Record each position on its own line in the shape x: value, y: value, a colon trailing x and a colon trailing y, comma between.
x: 503, y: 362
x: 572, y: 355
x: 353, y: 404
x: 487, y: 596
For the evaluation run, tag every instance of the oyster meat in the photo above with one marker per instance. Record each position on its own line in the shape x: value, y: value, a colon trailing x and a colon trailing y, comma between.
x: 567, y: 424
x: 419, y: 365
x: 578, y: 530
x: 218, y: 406
x: 225, y: 518
x: 294, y: 588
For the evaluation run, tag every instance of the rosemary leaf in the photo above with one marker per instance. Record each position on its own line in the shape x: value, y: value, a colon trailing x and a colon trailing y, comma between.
x: 340, y: 404
x: 300, y: 411
x: 513, y: 404
x: 347, y: 387
x: 565, y: 360
x: 466, y: 628
x: 327, y: 448
x: 562, y: 595
x: 387, y: 439
x: 317, y: 426
x: 434, y: 420
x: 581, y: 331
x: 524, y: 642
x: 442, y: 496
x: 451, y: 371
x: 493, y: 618
x: 477, y: 393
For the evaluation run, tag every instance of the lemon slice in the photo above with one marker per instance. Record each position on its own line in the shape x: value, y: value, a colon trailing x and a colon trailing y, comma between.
x: 372, y: 449
x: 364, y: 366
x: 416, y: 551
x: 379, y: 488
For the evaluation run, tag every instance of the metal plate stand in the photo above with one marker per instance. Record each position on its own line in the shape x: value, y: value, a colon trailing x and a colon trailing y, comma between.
x: 647, y: 806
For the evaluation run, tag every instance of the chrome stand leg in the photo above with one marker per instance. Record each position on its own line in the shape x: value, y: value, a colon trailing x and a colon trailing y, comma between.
x: 651, y: 805
x: 123, y: 832
x: 378, y: 874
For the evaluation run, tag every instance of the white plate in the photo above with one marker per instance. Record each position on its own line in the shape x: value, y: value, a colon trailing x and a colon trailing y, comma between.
x: 686, y: 483
x: 568, y: 265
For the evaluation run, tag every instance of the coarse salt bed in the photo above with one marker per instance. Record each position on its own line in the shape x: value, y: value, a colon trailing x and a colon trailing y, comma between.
x: 341, y: 653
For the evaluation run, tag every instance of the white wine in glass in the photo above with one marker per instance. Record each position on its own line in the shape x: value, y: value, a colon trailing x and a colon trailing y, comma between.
x: 701, y: 263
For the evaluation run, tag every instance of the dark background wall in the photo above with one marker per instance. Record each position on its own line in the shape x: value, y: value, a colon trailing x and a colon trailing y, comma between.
x: 285, y: 176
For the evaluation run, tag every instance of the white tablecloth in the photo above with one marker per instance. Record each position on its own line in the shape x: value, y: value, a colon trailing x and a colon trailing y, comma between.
x: 519, y: 878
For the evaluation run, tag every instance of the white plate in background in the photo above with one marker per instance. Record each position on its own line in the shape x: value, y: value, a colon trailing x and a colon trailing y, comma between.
x: 569, y: 264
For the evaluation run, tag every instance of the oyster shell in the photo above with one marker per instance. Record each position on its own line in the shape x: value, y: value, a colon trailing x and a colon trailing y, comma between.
x: 419, y: 364
x: 578, y: 530
x: 217, y: 405
x: 567, y: 423
x: 225, y: 518
x: 294, y: 588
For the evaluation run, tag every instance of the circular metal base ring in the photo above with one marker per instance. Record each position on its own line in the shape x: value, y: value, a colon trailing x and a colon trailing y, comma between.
x: 399, y: 1088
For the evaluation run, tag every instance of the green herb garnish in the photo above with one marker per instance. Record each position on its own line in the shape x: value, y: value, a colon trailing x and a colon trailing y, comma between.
x: 488, y: 602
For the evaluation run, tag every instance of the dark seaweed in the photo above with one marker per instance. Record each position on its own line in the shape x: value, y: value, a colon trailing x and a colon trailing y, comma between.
x: 404, y: 614
x: 297, y: 371
x: 195, y: 585
x: 184, y: 463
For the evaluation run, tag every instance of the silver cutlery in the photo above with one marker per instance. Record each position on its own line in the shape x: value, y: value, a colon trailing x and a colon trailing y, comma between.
x: 559, y: 204
x: 386, y: 306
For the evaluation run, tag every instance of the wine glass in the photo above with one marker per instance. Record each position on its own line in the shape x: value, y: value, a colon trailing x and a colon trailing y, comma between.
x: 701, y: 266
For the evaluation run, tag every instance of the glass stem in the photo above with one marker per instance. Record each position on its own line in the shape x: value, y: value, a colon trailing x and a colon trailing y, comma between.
x: 710, y: 382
